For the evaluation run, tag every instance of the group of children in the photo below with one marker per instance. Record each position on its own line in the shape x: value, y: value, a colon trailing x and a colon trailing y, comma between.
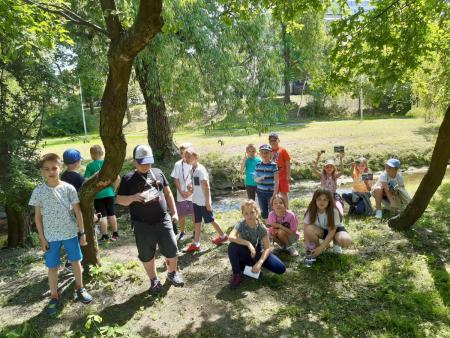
x: 154, y: 211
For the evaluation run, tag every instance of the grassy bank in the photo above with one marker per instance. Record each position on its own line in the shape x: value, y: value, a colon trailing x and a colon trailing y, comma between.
x: 407, y: 139
x: 388, y: 284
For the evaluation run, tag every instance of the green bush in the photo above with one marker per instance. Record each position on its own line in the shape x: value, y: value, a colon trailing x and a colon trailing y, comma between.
x: 430, y: 115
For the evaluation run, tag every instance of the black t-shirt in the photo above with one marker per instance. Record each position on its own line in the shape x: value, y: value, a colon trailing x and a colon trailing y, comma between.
x: 154, y: 211
x: 73, y: 178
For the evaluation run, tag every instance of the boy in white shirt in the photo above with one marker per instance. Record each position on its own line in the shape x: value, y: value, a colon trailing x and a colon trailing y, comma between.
x: 390, y: 189
x: 181, y: 173
x: 201, y: 199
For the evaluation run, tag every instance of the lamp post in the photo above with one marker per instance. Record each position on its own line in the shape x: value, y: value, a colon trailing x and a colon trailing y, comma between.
x: 82, y: 112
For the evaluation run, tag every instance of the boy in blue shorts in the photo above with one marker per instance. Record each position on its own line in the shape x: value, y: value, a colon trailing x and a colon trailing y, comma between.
x: 59, y: 223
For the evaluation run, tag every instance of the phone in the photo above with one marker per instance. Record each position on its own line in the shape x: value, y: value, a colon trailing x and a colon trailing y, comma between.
x: 367, y: 176
x: 338, y: 149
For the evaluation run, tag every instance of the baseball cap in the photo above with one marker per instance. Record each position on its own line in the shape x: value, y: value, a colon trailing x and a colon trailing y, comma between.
x: 330, y: 161
x: 273, y: 135
x: 143, y: 154
x: 70, y: 156
x: 393, y: 163
x: 265, y: 147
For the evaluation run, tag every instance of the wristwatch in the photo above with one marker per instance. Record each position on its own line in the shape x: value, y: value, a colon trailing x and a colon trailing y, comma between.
x: 81, y: 233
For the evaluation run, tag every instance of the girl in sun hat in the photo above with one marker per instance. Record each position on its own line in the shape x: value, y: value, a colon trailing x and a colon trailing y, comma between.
x: 328, y: 178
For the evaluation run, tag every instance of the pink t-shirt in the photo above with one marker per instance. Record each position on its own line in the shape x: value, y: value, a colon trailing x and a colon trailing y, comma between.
x: 288, y: 220
x: 328, y: 182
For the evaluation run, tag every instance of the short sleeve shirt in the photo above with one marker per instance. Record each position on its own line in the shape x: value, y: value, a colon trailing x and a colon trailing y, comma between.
x: 280, y: 157
x: 391, y: 181
x: 93, y: 168
x: 56, y: 205
x: 328, y: 182
x: 250, y: 167
x: 74, y: 178
x: 154, y: 211
x: 182, y: 172
x: 266, y: 171
x: 289, y: 220
x: 199, y: 174
x: 322, y: 220
x: 253, y: 235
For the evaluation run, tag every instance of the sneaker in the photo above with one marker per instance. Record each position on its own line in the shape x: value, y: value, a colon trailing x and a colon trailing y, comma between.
x: 292, y: 251
x: 84, y: 296
x: 175, y: 278
x: 378, y: 214
x: 155, y: 285
x: 219, y: 240
x: 103, y: 239
x: 337, y: 249
x: 192, y: 248
x: 181, y: 236
x: 235, y: 280
x: 68, y: 266
x: 351, y: 210
x: 52, y: 307
x: 115, y: 236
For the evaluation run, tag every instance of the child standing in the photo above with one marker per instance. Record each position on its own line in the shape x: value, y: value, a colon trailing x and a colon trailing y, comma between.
x: 283, y: 225
x: 72, y: 159
x: 359, y: 198
x: 323, y: 221
x: 250, y: 245
x: 201, y: 199
x: 182, y: 175
x: 248, y: 167
x: 266, y: 179
x: 283, y: 160
x: 390, y: 188
x: 329, y: 176
x: 147, y: 193
x: 104, y: 200
x: 59, y: 223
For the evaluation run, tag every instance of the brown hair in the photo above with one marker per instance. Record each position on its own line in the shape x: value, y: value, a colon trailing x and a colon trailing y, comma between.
x: 281, y: 197
x: 250, y: 146
x: 96, y: 151
x: 356, y: 169
x: 251, y: 204
x: 50, y: 157
x: 313, y: 211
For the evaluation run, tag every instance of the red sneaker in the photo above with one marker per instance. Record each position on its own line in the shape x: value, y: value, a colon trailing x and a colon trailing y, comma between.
x: 192, y: 248
x: 219, y: 240
x: 235, y: 280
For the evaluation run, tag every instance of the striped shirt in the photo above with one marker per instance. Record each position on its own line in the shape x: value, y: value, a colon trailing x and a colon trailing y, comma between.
x: 266, y: 171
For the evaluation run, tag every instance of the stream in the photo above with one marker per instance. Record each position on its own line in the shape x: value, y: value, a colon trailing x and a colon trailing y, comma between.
x: 304, y: 188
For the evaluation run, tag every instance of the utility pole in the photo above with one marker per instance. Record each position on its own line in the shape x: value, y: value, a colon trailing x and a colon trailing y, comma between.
x: 82, y: 112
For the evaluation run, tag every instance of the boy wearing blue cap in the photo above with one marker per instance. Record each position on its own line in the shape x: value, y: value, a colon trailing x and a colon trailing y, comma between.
x: 390, y: 189
x: 72, y: 159
x: 266, y: 178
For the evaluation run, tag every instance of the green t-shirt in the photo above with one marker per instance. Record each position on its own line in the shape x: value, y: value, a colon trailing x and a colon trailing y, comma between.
x: 253, y: 235
x: 91, y: 169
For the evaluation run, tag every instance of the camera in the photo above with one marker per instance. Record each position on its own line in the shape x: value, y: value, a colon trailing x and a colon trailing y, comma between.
x: 339, y: 149
x: 367, y: 176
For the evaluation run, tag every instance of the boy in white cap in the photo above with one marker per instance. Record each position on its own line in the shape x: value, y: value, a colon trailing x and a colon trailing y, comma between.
x: 390, y: 189
x: 146, y: 191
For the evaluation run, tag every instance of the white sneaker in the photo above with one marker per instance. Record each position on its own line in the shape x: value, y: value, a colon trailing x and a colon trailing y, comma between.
x: 292, y: 251
x: 337, y: 249
x: 378, y: 214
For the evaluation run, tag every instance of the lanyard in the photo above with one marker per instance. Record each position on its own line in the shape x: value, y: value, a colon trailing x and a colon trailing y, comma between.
x: 182, y: 172
x: 147, y: 179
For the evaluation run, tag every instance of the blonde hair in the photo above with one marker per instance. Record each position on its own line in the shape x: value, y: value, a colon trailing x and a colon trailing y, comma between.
x: 96, y: 151
x: 191, y: 151
x: 250, y: 146
x: 184, y: 146
x: 251, y: 204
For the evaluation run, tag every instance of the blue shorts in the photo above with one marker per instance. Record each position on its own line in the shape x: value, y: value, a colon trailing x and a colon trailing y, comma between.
x: 200, y: 212
x: 53, y: 255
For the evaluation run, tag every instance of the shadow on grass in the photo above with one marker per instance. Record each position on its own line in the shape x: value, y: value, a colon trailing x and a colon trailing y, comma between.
x: 429, y: 132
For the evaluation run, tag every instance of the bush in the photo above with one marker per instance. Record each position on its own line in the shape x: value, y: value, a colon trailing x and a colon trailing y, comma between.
x: 430, y: 115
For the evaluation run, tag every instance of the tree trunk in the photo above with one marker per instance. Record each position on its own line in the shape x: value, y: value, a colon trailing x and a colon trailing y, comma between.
x: 431, y: 181
x: 16, y: 227
x: 124, y: 46
x: 287, y: 64
x: 91, y: 105
x: 159, y: 133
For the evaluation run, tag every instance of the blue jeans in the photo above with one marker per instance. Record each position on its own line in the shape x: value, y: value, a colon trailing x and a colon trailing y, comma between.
x: 264, y: 202
x: 239, y: 256
x: 359, y: 206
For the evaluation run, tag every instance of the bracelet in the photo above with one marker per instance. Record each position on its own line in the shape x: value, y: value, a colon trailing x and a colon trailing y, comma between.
x: 81, y: 233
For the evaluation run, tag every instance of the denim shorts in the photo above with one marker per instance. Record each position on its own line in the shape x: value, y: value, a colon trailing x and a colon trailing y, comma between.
x: 338, y: 229
x: 53, y: 255
x: 200, y: 212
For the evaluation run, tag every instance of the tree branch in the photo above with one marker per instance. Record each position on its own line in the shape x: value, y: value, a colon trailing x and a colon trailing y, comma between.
x: 113, y: 25
x: 67, y: 14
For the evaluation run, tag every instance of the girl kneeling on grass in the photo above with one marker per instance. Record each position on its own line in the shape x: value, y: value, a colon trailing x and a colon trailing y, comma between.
x: 283, y: 225
x: 250, y: 245
x: 323, y: 221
